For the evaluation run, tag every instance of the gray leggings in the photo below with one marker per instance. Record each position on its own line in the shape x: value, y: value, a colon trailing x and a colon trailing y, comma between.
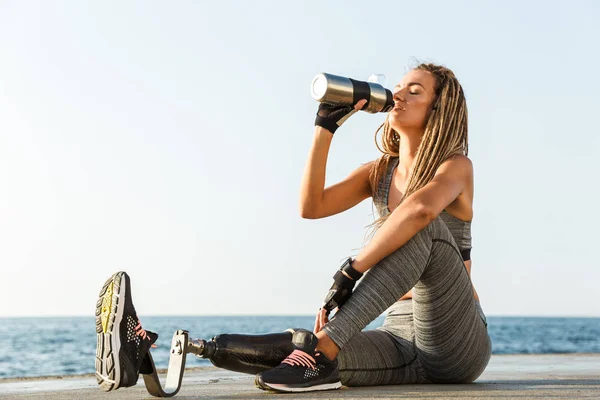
x: 439, y: 337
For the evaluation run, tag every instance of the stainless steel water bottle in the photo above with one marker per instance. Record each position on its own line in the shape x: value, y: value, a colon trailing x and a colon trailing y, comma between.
x: 334, y: 89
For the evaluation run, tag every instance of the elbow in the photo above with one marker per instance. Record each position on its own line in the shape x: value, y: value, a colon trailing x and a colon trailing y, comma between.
x: 307, y: 213
x: 424, y: 213
x: 309, y: 208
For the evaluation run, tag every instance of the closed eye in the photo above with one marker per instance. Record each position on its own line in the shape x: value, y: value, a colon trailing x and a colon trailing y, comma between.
x: 398, y: 86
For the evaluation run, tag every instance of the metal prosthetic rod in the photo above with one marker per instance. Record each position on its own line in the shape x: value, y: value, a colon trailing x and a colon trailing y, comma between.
x: 202, y: 348
x: 242, y: 353
x: 175, y: 371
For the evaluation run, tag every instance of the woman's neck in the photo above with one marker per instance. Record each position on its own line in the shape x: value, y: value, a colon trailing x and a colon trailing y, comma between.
x: 409, y: 144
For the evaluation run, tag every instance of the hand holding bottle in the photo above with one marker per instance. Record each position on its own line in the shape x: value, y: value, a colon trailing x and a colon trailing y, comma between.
x: 332, y: 117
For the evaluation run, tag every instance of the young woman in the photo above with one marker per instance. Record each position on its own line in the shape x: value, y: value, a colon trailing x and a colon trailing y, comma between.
x: 417, y: 264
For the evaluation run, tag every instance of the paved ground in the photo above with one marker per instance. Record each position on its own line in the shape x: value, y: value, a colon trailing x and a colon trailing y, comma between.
x: 573, y: 376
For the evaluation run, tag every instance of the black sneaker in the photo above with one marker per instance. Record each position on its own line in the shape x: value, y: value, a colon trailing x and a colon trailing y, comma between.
x: 122, y: 342
x: 304, y: 370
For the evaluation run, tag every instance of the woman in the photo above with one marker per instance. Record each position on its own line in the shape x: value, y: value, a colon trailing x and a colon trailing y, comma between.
x: 418, y: 261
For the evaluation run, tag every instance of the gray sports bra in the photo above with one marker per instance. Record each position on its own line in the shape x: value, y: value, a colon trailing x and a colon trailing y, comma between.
x: 460, y: 230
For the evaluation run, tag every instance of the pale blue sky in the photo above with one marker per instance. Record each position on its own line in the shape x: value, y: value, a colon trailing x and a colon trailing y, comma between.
x: 168, y: 139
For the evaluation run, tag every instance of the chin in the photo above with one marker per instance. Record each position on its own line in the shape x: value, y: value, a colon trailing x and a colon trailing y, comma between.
x: 395, y: 124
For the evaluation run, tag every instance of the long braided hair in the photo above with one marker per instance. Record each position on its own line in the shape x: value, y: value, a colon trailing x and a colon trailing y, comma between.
x: 446, y: 135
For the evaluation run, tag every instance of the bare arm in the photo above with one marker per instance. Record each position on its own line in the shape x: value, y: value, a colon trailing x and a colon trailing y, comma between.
x: 416, y: 212
x: 317, y: 202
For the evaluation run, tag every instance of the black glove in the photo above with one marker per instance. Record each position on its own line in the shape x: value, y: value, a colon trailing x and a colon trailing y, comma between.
x: 332, y: 117
x: 342, y: 287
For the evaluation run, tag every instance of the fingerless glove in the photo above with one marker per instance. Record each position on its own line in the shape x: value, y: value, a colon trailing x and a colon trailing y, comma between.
x: 332, y: 117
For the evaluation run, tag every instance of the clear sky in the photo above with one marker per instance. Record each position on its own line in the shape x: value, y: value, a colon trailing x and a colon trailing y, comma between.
x: 168, y: 139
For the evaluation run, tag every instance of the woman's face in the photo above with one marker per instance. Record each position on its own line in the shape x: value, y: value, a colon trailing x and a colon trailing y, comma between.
x: 413, y: 97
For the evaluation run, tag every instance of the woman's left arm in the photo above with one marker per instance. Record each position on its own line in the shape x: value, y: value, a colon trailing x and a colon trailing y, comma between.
x: 416, y: 212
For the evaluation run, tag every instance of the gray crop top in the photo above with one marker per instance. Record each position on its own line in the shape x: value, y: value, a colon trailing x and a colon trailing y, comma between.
x: 460, y: 230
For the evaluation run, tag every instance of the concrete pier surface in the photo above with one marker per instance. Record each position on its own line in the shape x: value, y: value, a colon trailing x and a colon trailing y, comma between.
x: 562, y: 376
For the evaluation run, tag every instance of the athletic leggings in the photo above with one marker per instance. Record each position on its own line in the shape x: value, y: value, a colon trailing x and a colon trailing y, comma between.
x: 440, y: 336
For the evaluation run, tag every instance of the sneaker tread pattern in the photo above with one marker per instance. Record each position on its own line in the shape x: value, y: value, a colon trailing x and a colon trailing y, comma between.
x: 105, y: 357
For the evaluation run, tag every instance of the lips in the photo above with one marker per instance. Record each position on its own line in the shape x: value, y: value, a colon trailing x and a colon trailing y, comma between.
x: 399, y: 107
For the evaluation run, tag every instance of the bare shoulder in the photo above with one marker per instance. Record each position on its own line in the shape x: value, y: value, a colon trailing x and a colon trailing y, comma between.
x: 457, y: 165
x: 363, y: 173
x: 363, y: 169
x: 368, y: 164
x: 459, y: 169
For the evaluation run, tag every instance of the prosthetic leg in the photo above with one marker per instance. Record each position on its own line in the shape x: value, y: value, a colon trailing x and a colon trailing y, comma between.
x: 249, y: 354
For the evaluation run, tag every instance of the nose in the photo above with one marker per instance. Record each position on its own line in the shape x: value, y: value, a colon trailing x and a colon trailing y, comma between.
x: 398, y: 96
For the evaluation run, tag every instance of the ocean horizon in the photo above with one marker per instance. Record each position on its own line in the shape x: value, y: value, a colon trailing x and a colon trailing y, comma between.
x: 50, y: 346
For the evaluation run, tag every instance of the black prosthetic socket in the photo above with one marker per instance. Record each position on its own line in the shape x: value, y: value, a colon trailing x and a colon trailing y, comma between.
x: 249, y: 354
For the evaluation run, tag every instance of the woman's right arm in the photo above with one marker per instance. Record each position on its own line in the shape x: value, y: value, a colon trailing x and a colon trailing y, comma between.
x: 317, y: 202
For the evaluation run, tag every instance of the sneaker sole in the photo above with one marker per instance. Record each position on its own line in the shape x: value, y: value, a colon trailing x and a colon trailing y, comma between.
x: 288, y: 389
x: 109, y: 313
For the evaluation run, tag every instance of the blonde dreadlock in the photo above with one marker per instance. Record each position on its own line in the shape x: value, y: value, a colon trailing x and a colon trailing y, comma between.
x: 445, y: 136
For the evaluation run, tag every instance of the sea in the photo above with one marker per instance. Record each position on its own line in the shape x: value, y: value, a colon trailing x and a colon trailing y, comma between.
x: 34, y: 347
